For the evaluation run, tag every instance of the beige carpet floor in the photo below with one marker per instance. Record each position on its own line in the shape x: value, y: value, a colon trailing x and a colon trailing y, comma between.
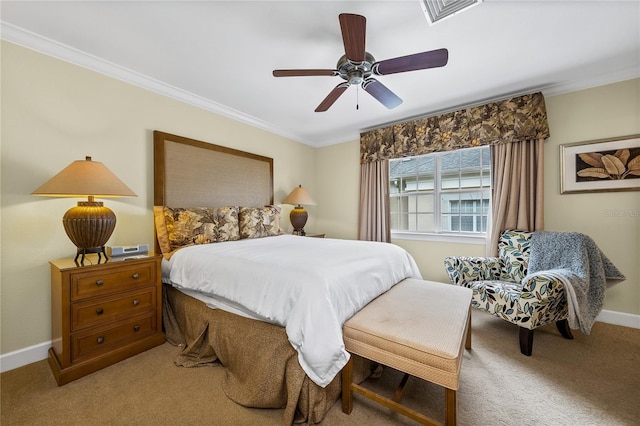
x: 591, y: 380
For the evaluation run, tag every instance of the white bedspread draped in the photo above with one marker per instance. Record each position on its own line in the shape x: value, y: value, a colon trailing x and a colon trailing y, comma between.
x: 310, y: 286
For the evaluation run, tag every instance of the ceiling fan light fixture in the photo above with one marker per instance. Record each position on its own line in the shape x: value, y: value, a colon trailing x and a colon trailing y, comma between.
x: 356, y: 77
x: 437, y: 10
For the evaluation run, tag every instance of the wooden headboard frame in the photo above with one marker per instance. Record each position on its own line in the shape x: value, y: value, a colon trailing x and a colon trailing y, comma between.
x: 192, y: 173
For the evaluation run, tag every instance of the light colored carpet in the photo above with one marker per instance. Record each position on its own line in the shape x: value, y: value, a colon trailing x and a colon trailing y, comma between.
x: 591, y: 380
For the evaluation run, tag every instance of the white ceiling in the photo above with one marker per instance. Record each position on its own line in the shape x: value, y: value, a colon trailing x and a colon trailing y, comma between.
x: 219, y: 55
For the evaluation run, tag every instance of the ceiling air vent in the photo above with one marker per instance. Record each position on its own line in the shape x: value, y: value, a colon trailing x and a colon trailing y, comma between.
x: 437, y: 10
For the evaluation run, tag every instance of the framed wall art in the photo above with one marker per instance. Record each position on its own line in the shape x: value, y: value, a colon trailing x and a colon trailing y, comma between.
x: 600, y: 165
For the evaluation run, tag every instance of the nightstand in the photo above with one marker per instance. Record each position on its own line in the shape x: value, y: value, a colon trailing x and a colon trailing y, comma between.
x: 103, y: 313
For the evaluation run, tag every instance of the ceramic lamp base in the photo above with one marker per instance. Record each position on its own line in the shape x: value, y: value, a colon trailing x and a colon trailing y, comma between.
x: 298, y: 217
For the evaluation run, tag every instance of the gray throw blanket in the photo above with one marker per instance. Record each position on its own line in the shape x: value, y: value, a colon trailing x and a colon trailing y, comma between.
x: 585, y: 272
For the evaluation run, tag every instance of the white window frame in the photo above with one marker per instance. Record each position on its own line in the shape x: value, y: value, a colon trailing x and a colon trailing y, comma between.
x: 439, y: 235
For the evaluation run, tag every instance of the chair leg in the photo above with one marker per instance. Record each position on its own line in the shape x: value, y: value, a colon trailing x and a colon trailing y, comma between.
x: 563, y: 328
x: 526, y: 341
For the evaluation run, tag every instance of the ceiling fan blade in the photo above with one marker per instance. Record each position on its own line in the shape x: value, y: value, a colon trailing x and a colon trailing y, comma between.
x: 303, y: 73
x: 332, y: 97
x: 379, y: 91
x: 353, y: 35
x: 418, y: 61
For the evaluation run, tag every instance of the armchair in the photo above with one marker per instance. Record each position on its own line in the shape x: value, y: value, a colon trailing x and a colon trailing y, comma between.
x: 502, y: 287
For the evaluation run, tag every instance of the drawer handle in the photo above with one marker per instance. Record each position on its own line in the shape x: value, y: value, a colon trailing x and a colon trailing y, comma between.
x: 99, y: 282
x: 100, y: 340
x: 136, y: 302
x: 99, y: 311
x: 135, y: 276
x: 136, y: 328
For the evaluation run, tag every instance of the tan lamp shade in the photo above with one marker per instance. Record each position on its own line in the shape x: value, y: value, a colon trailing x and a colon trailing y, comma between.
x: 90, y: 224
x: 299, y: 215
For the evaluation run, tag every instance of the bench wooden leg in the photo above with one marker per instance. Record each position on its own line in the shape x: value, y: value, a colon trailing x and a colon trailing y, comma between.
x: 347, y: 392
x: 401, y: 387
x: 467, y: 343
x: 450, y: 407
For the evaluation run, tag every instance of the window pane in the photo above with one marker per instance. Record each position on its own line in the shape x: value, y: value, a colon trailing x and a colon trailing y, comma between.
x: 424, y: 203
x: 395, y: 204
x: 450, y: 160
x: 470, y: 158
x: 425, y: 222
x: 394, y: 185
x: 450, y: 202
x: 486, y: 157
x: 393, y: 220
x: 466, y: 223
x: 450, y: 222
x: 426, y: 165
x: 450, y: 180
x: 412, y: 204
x: 398, y: 221
x: 471, y: 180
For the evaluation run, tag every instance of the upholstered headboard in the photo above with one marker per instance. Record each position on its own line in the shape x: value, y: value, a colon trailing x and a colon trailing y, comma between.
x: 192, y: 173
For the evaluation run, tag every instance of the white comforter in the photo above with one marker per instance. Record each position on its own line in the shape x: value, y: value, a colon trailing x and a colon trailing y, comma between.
x: 310, y: 286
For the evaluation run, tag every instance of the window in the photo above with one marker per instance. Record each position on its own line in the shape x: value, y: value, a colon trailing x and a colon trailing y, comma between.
x: 441, y: 193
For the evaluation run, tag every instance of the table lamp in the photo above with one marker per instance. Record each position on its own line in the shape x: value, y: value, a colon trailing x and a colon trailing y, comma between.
x: 90, y: 224
x: 298, y: 215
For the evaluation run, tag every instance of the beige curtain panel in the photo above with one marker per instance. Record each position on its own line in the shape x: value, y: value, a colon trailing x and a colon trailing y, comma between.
x: 373, y: 215
x: 513, y: 120
x: 518, y: 189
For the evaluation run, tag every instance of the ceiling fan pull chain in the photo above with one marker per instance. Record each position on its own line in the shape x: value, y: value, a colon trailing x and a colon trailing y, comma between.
x: 357, y: 98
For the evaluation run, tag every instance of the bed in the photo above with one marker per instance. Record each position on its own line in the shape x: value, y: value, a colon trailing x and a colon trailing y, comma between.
x: 240, y: 292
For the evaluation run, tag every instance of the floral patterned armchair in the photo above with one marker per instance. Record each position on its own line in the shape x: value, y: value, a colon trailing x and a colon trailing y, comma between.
x: 502, y: 287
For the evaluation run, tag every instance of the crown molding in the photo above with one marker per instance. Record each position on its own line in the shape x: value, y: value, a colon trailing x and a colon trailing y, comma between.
x: 47, y: 46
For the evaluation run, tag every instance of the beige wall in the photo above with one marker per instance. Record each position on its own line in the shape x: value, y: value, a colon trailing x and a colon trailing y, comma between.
x: 611, y: 219
x: 54, y: 113
x: 607, y: 111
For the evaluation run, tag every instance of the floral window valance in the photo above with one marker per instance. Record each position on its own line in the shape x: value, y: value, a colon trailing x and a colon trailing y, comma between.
x: 511, y: 120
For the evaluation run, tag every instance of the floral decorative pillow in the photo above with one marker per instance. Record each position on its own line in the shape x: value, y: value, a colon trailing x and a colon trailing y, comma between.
x: 227, y: 224
x: 189, y: 226
x: 199, y: 225
x: 258, y: 222
x: 513, y: 250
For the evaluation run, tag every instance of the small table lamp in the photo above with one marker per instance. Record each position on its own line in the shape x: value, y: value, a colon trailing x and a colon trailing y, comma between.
x: 298, y: 215
x: 89, y: 225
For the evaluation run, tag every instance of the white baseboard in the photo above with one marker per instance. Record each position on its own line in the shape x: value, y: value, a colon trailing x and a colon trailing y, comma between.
x: 38, y: 352
x: 619, y: 318
x: 25, y: 356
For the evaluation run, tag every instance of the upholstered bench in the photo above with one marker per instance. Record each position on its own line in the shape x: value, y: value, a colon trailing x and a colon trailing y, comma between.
x: 419, y: 328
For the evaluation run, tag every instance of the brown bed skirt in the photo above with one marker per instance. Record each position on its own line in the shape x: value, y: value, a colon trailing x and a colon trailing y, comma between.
x: 261, y: 366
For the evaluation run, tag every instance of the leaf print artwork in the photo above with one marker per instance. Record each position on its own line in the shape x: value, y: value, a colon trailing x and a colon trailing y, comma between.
x: 613, y: 165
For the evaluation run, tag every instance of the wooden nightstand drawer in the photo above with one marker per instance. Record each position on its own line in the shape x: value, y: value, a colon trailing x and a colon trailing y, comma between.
x: 104, y: 310
x: 107, y: 281
x: 97, y: 342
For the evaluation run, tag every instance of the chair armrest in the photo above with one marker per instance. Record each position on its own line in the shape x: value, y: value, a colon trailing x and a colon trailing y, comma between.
x: 541, y: 286
x: 462, y: 269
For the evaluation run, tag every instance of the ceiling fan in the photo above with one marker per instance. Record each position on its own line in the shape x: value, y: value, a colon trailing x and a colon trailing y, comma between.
x: 357, y: 65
